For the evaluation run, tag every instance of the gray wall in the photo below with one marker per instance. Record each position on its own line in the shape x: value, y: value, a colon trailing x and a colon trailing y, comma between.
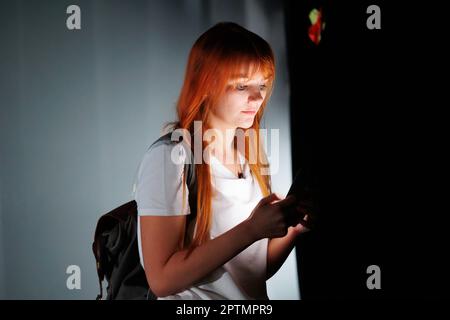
x: 2, y: 252
x: 78, y: 110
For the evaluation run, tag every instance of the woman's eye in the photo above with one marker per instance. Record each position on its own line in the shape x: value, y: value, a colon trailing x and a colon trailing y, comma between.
x: 242, y: 87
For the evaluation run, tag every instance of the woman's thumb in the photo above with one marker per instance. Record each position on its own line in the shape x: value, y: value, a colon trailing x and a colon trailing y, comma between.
x: 268, y: 199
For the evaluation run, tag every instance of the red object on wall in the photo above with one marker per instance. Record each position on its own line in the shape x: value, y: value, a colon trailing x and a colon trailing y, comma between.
x: 315, y: 30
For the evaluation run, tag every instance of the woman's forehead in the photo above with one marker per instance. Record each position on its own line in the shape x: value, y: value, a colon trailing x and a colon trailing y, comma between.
x: 244, y: 76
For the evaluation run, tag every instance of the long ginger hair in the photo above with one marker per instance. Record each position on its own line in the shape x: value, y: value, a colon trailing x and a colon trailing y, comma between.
x: 222, y: 53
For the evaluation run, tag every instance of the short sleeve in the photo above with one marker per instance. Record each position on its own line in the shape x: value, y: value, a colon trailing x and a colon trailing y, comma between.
x: 159, y: 184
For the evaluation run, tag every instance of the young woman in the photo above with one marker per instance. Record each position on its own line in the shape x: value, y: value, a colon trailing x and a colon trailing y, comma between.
x: 240, y: 235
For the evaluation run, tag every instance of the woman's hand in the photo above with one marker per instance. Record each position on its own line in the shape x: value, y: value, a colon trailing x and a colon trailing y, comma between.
x: 301, y: 228
x: 269, y: 219
x: 279, y: 248
x: 299, y: 217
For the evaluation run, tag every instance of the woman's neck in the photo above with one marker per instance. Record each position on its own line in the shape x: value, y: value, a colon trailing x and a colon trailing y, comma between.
x: 223, y: 144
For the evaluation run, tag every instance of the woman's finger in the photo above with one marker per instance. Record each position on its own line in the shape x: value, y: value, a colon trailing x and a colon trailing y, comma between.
x: 299, y: 228
x: 267, y: 200
x: 279, y: 198
x: 286, y: 202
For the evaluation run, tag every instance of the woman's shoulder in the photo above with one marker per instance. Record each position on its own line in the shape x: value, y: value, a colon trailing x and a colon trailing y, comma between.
x: 167, y: 147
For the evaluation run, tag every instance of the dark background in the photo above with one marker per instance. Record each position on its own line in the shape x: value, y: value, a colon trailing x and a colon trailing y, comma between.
x: 359, y: 119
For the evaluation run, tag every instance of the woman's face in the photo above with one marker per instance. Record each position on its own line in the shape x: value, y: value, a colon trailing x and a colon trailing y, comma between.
x: 239, y: 104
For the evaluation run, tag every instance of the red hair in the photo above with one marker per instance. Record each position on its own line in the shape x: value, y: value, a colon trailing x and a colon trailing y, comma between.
x: 223, y: 52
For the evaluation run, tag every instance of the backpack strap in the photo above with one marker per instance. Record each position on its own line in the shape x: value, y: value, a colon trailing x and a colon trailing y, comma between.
x: 189, y: 166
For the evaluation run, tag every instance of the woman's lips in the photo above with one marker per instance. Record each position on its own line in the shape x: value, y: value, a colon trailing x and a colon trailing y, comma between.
x: 249, y: 112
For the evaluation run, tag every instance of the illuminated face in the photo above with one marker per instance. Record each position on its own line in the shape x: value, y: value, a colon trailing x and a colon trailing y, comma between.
x: 239, y: 104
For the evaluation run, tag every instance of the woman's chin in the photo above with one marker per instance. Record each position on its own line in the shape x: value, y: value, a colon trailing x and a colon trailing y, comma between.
x: 246, y: 124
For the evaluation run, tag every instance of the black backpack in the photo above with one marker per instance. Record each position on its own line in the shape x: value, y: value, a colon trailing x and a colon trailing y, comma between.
x: 115, y: 244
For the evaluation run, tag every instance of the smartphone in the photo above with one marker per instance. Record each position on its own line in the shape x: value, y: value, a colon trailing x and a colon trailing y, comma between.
x: 305, y: 189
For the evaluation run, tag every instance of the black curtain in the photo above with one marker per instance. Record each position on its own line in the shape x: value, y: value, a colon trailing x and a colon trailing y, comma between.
x: 351, y: 100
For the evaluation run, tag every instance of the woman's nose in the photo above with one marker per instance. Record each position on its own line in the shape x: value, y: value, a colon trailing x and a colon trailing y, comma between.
x: 255, y: 96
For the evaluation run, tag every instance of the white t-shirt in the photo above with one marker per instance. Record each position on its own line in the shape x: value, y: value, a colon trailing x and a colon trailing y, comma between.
x: 158, y: 192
